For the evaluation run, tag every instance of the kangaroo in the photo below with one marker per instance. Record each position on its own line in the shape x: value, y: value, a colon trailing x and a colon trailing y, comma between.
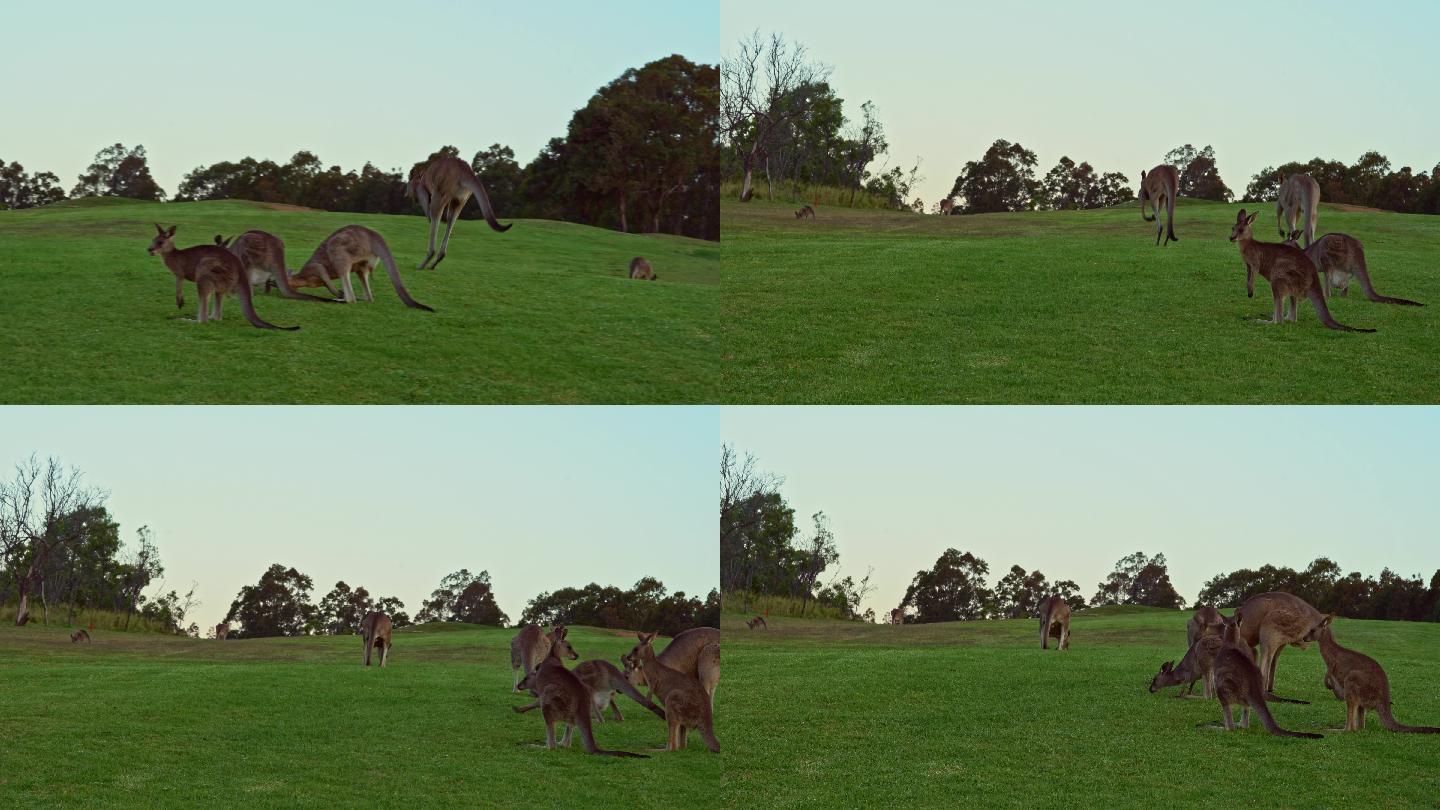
x: 947, y: 205
x: 342, y: 250
x: 1238, y: 683
x: 1159, y: 187
x: 215, y: 272
x: 806, y: 212
x: 442, y: 187
x: 1054, y: 621
x: 1339, y: 258
x: 1251, y: 629
x: 1299, y: 199
x: 639, y: 268
x: 1290, y: 272
x: 532, y: 645
x: 686, y: 704
x: 562, y: 697
x: 897, y: 616
x: 263, y: 256
x: 758, y: 621
x: 1359, y: 680
x: 80, y: 635
x: 1197, y: 665
x: 221, y: 631
x: 1207, y: 621
x: 375, y: 629
x: 604, y: 679
x: 688, y: 653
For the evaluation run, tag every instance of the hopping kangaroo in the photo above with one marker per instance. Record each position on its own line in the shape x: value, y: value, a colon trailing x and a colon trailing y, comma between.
x: 442, y: 187
x: 563, y: 698
x: 1054, y: 621
x: 689, y: 653
x: 343, y: 252
x: 221, y: 631
x: 1237, y: 683
x: 604, y: 679
x: 1253, y: 630
x: 215, y: 272
x: 80, y: 635
x: 686, y: 704
x: 263, y: 256
x: 758, y: 621
x: 1299, y: 199
x: 375, y: 629
x: 1339, y: 258
x: 1359, y: 680
x: 533, y: 645
x: 805, y: 213
x: 1290, y: 272
x: 639, y: 268
x: 1159, y: 187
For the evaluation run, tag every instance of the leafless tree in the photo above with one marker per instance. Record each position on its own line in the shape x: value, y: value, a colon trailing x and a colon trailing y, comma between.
x: 759, y: 94
x: 743, y: 490
x: 43, y: 510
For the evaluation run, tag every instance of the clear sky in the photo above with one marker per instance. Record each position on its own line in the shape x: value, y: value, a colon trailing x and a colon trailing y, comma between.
x: 1120, y: 83
x: 396, y: 498
x: 1071, y: 490
x: 351, y: 81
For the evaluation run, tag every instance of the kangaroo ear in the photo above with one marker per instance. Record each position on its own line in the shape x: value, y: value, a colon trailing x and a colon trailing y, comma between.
x: 171, y: 232
x: 1251, y: 218
x: 1325, y: 622
x: 159, y: 229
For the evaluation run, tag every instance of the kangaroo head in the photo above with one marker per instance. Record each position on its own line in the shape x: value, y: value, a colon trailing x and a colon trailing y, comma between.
x: 163, y: 241
x: 633, y: 673
x: 1318, y: 628
x: 1165, y: 677
x: 1242, y: 225
x: 528, y: 682
x: 559, y: 645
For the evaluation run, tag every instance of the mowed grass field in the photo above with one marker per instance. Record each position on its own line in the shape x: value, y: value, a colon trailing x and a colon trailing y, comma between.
x: 544, y: 313
x: 1059, y: 307
x: 834, y: 714
x: 143, y: 720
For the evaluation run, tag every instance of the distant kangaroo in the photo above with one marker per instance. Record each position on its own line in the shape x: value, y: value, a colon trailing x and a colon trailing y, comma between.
x: 686, y: 704
x: 1339, y: 258
x: 221, y: 631
x: 263, y: 256
x: 639, y: 268
x: 80, y: 635
x: 805, y: 213
x: 687, y: 652
x: 1252, y: 630
x: 532, y: 645
x: 342, y: 250
x: 1299, y: 199
x: 897, y: 616
x: 442, y: 187
x: 1054, y: 621
x: 758, y: 621
x: 1359, y: 680
x: 1159, y: 187
x: 1238, y: 683
x: 1290, y: 272
x: 375, y: 629
x: 563, y: 698
x: 947, y: 205
x: 215, y: 272
x: 604, y: 679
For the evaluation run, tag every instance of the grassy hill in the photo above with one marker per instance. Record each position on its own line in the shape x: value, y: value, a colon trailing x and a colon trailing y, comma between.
x: 839, y: 714
x: 862, y: 306
x: 543, y: 313
x: 135, y: 719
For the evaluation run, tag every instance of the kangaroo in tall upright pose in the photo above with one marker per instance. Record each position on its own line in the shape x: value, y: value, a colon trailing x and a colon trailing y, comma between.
x: 1359, y: 680
x: 563, y: 698
x: 1252, y: 630
x: 216, y: 273
x: 375, y: 630
x: 689, y: 652
x: 1339, y: 258
x: 1299, y: 198
x: 686, y: 704
x: 221, y: 631
x: 353, y: 245
x: 532, y: 645
x: 1290, y: 272
x: 263, y: 256
x: 1159, y: 187
x: 442, y: 187
x: 1054, y: 621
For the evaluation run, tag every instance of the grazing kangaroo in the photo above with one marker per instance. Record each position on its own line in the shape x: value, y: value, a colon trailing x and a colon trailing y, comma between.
x: 639, y: 268
x: 1207, y: 621
x: 758, y: 621
x: 688, y: 653
x: 604, y: 679
x: 1197, y: 665
x: 946, y: 206
x: 375, y: 629
x: 442, y: 187
x: 1251, y: 629
x: 263, y: 256
x: 805, y: 213
x: 221, y: 631
x: 1299, y: 199
x: 1339, y: 258
x: 1359, y: 680
x: 80, y: 635
x: 1238, y: 683
x: 532, y: 645
x: 215, y: 273
x: 1159, y: 187
x: 352, y: 245
x: 1054, y: 621
x: 562, y: 697
x: 1290, y: 272
x: 686, y: 704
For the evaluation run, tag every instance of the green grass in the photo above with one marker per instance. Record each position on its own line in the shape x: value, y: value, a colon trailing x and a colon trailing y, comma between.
x: 768, y: 605
x: 819, y: 196
x: 135, y: 720
x: 1059, y: 307
x: 839, y: 714
x: 106, y: 619
x: 541, y: 314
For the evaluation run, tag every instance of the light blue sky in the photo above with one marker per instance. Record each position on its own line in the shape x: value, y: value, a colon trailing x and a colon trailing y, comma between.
x: 1120, y: 83
x: 396, y: 498
x: 1070, y: 490
x: 351, y: 81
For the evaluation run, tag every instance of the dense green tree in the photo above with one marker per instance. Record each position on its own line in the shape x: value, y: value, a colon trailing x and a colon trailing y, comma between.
x: 21, y: 190
x: 119, y: 171
x: 1069, y: 187
x: 645, y: 606
x: 953, y: 590
x: 463, y: 597
x: 1002, y: 180
x: 278, y: 605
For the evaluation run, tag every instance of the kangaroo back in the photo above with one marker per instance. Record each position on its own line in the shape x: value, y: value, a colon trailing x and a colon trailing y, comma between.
x: 377, y: 244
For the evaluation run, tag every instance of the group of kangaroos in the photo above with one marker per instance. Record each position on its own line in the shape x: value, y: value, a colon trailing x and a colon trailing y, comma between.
x: 231, y: 267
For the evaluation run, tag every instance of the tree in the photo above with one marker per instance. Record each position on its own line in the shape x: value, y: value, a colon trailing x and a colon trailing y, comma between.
x: 342, y: 609
x: 463, y: 597
x: 278, y: 605
x: 758, y: 96
x: 1072, y: 187
x: 645, y: 606
x: 1138, y: 580
x: 45, y: 511
x: 21, y: 190
x: 119, y: 172
x: 954, y: 590
x: 1002, y: 180
x: 1199, y: 176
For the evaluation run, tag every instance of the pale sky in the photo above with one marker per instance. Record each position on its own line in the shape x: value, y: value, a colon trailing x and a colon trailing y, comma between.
x: 1120, y: 83
x: 396, y: 498
x: 351, y: 81
x: 1071, y: 490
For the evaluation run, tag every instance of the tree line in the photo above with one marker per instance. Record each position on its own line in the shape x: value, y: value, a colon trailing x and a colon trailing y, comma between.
x: 641, y: 156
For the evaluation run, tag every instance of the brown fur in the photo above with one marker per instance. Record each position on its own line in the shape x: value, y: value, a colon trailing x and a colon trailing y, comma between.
x: 758, y: 621
x: 375, y: 630
x: 1159, y: 187
x: 215, y: 272
x: 897, y: 616
x: 1339, y: 258
x: 1237, y: 683
x: 263, y: 256
x: 1290, y: 272
x: 221, y: 631
x: 1197, y: 665
x: 1054, y: 621
x: 947, y: 205
x: 80, y: 635
x: 533, y: 645
x: 639, y: 268
x: 604, y: 679
x: 563, y: 698
x: 1252, y: 630
x: 342, y: 251
x: 442, y: 187
x: 805, y: 212
x: 686, y: 704
x: 1299, y: 199
x: 1359, y: 680
x: 685, y: 653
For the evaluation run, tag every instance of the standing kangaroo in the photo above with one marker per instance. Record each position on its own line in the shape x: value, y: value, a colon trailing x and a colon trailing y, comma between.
x: 221, y: 631
x: 263, y: 256
x: 897, y: 616
x: 1054, y: 621
x: 1359, y: 680
x: 689, y: 653
x: 946, y: 206
x: 375, y: 629
x: 533, y: 645
x: 1299, y: 199
x: 758, y: 621
x: 215, y: 272
x: 1159, y: 187
x: 1339, y: 258
x: 563, y: 698
x: 805, y: 213
x: 603, y: 679
x: 1238, y: 683
x: 442, y: 187
x: 1252, y: 630
x: 1207, y: 621
x: 352, y: 245
x: 80, y: 635
x: 686, y: 704
x: 639, y: 268
x: 1290, y: 272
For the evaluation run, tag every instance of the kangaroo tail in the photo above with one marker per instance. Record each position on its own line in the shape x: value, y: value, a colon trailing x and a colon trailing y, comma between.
x: 1388, y: 721
x: 1045, y: 626
x: 707, y: 734
x: 1363, y: 274
x: 1259, y: 707
x: 588, y: 738
x: 282, y: 280
x: 1170, y: 219
x: 477, y: 188
x: 1318, y: 299
x: 248, y: 307
x: 388, y: 260
x: 1274, y: 698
